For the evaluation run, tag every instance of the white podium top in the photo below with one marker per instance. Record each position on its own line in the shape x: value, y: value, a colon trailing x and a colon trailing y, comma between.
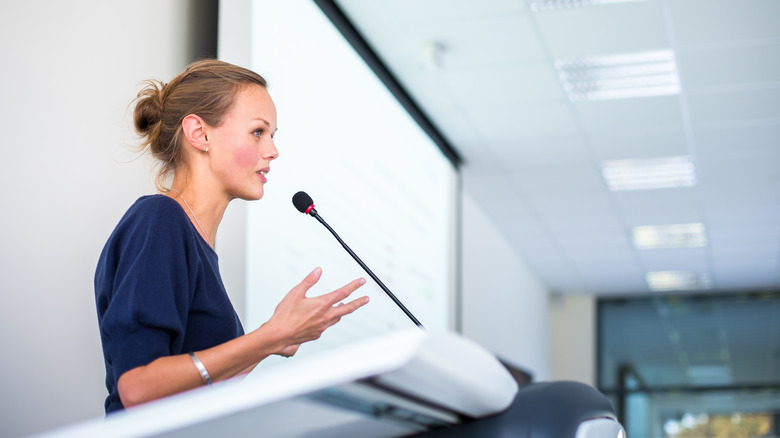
x: 388, y: 386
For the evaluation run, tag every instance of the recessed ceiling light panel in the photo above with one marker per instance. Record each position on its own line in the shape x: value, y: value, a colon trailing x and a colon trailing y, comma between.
x: 621, y: 76
x: 670, y: 236
x: 549, y: 5
x: 653, y: 173
x: 677, y: 280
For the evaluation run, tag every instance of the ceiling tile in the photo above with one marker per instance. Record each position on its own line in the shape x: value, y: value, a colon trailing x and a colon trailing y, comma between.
x: 604, y: 29
x: 742, y: 190
x: 513, y: 216
x: 429, y: 91
x: 415, y: 11
x: 717, y: 107
x: 753, y: 256
x: 548, y: 152
x: 699, y: 22
x: 599, y: 244
x: 658, y: 207
x: 502, y: 86
x: 603, y: 257
x: 760, y: 271
x: 744, y: 281
x: 756, y: 141
x: 743, y: 172
x: 600, y: 265
x: 567, y: 205
x: 618, y: 282
x: 663, y: 143
x: 678, y: 259
x: 477, y: 43
x: 502, y: 124
x: 730, y: 236
x: 739, y: 212
x: 487, y: 185
x: 459, y: 132
x: 558, y: 180
x: 565, y: 228
x: 704, y: 69
x: 627, y: 115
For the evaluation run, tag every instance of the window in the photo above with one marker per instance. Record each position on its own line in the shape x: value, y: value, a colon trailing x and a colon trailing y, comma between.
x: 696, y: 365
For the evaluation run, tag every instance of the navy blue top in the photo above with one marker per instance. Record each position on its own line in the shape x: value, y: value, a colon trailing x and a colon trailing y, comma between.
x: 158, y: 291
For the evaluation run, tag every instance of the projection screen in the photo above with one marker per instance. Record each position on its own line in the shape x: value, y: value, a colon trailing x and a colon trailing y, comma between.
x: 374, y: 175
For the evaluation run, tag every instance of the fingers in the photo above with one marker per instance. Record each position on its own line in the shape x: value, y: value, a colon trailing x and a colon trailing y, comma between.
x: 343, y: 292
x: 288, y: 351
x: 341, y: 309
x: 306, y: 318
x: 310, y: 280
x: 345, y: 309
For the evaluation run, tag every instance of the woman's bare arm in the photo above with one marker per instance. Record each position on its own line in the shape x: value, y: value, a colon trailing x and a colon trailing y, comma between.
x: 297, y: 319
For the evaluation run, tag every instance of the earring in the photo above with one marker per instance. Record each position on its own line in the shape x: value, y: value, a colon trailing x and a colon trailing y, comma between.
x: 207, y: 148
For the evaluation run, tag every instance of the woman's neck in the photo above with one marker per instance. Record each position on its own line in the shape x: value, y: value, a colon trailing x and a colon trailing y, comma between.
x: 204, y: 207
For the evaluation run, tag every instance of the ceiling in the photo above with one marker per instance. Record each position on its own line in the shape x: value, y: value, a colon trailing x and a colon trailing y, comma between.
x: 484, y: 73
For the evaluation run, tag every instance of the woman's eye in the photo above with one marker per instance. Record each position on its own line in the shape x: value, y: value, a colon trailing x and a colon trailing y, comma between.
x: 258, y: 132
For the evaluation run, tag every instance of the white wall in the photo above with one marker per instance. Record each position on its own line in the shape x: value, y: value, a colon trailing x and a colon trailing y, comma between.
x: 70, y: 70
x: 573, y: 337
x: 505, y: 308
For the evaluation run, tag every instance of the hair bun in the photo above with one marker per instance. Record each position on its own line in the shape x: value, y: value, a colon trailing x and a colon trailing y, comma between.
x: 148, y: 112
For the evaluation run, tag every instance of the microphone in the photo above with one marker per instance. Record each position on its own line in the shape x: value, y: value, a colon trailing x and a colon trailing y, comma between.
x: 305, y: 205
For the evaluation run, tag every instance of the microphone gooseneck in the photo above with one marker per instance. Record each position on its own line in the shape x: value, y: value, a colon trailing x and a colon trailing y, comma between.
x: 305, y: 205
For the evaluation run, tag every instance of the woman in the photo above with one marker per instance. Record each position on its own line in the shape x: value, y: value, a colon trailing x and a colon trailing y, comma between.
x: 166, y: 322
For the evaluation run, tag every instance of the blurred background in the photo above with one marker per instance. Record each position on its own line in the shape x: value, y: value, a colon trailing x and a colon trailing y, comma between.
x: 618, y: 205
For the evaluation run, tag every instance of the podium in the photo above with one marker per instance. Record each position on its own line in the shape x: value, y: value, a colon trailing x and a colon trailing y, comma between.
x: 404, y: 384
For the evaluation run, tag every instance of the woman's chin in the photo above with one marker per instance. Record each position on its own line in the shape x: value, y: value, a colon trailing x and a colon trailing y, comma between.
x: 255, y: 196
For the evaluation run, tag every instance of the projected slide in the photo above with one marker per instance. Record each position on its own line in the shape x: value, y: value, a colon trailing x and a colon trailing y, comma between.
x: 374, y: 175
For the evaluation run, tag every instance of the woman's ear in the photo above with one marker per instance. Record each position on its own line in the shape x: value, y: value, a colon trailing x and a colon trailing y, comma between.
x: 194, y: 130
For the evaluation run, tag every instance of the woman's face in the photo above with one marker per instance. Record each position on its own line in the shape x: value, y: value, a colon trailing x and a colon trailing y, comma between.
x: 242, y: 147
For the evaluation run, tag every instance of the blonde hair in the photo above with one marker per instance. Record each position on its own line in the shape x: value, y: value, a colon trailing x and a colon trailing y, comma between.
x: 208, y: 88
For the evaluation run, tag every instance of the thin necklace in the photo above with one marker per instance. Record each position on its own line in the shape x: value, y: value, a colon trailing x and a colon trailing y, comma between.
x: 205, y: 235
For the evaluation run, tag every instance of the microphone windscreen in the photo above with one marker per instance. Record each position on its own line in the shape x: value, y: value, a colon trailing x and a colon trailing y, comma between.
x: 302, y: 201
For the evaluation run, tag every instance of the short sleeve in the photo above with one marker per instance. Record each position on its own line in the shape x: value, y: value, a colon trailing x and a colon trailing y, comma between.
x: 146, y: 288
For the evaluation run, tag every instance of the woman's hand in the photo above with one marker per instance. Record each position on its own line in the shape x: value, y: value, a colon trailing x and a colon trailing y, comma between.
x: 297, y: 319
x: 303, y: 319
x: 288, y: 351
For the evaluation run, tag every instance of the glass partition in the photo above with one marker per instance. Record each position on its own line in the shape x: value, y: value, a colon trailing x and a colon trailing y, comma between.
x: 692, y: 366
